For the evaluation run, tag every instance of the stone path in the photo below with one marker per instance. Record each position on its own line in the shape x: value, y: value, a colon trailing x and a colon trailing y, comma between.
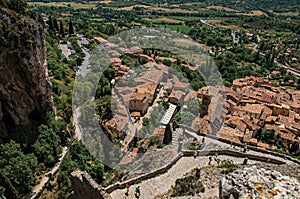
x: 176, y: 134
x: 225, y: 145
x: 161, y: 184
x: 37, y: 190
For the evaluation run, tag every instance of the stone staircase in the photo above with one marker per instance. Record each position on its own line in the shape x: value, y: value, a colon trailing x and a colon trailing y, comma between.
x: 163, y: 183
x: 176, y: 134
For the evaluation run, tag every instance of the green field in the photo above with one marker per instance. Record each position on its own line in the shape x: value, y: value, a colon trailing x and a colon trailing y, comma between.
x: 66, y: 4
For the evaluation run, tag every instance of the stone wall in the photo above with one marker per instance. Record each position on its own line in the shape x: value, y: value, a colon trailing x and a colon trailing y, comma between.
x: 83, y: 183
x: 163, y: 169
x: 253, y: 148
x: 85, y: 187
x: 234, y: 154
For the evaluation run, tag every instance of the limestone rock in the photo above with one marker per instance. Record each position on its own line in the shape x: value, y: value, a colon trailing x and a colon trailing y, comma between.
x: 25, y: 92
x: 258, y: 183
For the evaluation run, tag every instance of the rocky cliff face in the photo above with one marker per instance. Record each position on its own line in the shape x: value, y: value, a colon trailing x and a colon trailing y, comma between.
x: 25, y: 93
x: 253, y: 182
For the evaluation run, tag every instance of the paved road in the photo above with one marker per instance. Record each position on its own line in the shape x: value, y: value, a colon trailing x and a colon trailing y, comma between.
x: 76, y: 115
x: 86, y: 62
x: 205, y: 22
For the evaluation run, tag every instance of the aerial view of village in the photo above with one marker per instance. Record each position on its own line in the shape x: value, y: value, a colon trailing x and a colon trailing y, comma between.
x: 150, y: 99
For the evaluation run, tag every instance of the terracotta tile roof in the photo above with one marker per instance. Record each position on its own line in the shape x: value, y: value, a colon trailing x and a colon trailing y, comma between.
x: 275, y: 72
x: 231, y: 134
x: 150, y: 59
x: 135, y: 114
x: 176, y: 94
x: 192, y: 94
x: 134, y: 50
x: 271, y: 119
x: 248, y: 136
x: 138, y: 97
x: 287, y: 136
x: 100, y: 39
x: 147, y: 88
x: 263, y: 145
x: 114, y: 53
x: 152, y: 75
x: 192, y: 68
x: 116, y: 60
x: 173, y: 60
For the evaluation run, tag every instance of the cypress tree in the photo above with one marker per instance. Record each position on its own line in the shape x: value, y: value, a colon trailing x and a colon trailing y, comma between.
x: 50, y: 23
x: 61, y: 29
x: 71, y: 28
x: 168, y: 135
x: 55, y: 24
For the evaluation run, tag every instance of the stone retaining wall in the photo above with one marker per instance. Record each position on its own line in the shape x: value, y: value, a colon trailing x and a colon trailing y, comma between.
x: 253, y: 148
x: 234, y: 154
x: 121, y: 185
x: 85, y: 186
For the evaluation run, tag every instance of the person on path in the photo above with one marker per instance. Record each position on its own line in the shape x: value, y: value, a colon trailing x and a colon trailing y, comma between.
x: 127, y: 189
x: 245, y: 148
x: 195, y: 154
x: 245, y: 161
x: 137, y: 192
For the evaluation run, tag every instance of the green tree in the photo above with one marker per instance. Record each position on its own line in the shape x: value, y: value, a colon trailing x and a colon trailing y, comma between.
x: 50, y: 24
x: 16, y: 5
x: 193, y: 105
x: 17, y: 169
x: 71, y: 28
x: 104, y: 107
x: 109, y: 73
x: 55, y: 25
x: 102, y: 89
x: 294, y: 147
x: 168, y: 135
x: 61, y: 29
x: 146, y: 121
x: 47, y: 146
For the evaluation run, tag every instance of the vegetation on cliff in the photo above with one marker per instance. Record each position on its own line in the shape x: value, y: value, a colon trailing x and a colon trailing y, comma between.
x: 16, y: 5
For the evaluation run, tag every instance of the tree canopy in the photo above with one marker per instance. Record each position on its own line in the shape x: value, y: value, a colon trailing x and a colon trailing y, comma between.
x: 16, y: 170
x: 16, y: 5
x: 47, y: 146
